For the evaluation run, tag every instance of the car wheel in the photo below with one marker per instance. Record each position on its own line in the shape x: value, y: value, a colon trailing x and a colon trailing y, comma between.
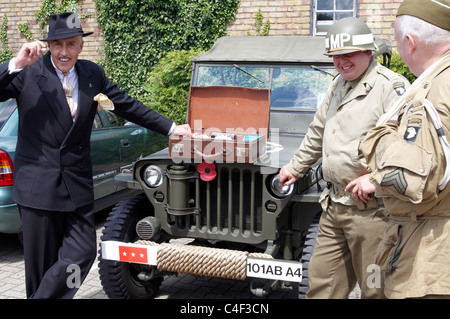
x: 119, y: 279
x: 310, y: 243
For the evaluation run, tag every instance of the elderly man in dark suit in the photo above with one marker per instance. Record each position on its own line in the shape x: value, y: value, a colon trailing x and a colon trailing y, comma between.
x: 53, y: 173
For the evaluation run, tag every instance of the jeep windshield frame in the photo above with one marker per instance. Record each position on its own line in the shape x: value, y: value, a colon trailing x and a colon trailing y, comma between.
x: 293, y: 87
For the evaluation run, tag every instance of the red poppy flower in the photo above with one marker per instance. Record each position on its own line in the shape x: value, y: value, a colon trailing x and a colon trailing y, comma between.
x: 207, y: 171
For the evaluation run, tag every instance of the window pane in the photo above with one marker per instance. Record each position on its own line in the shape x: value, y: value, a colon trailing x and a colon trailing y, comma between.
x: 97, y: 122
x: 325, y: 16
x: 325, y: 5
x: 344, y: 4
x: 11, y: 125
x: 341, y: 15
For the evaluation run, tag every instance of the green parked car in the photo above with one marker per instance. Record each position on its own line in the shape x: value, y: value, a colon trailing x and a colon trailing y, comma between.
x: 115, y: 146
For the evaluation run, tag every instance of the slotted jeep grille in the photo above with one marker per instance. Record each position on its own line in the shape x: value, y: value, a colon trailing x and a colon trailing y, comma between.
x: 231, y: 204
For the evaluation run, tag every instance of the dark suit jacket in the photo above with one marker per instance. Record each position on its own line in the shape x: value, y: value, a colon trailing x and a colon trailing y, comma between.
x: 52, y: 165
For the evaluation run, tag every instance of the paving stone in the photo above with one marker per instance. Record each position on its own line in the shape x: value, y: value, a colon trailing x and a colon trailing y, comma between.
x: 183, y: 286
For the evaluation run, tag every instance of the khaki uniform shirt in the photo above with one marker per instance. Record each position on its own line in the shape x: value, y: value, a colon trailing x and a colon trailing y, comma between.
x: 407, y: 160
x: 408, y: 163
x: 348, y: 111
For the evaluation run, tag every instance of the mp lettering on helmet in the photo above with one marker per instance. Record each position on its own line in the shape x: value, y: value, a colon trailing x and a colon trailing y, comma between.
x: 338, y: 40
x: 342, y: 40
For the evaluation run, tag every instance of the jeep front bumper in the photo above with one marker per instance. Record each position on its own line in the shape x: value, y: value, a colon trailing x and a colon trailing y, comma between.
x: 203, y: 261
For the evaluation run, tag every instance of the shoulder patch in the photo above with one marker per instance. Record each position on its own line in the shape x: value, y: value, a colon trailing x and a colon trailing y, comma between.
x: 399, y: 87
x: 412, y: 129
x: 395, y: 179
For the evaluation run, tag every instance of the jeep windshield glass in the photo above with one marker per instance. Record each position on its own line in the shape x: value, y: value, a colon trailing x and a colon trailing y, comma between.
x: 300, y: 87
x: 291, y: 86
x: 251, y: 77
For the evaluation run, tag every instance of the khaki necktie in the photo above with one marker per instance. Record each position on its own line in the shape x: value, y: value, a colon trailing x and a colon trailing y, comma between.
x: 68, y: 90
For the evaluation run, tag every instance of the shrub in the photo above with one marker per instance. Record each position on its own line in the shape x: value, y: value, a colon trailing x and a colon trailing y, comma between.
x: 168, y: 85
x: 397, y: 65
x: 400, y: 67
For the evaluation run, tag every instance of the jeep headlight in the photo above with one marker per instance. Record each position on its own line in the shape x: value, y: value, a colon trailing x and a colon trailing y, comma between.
x: 153, y: 176
x: 280, y: 190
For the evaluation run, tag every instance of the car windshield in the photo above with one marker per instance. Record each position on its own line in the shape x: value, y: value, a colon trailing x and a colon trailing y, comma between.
x: 291, y: 86
x: 8, y: 119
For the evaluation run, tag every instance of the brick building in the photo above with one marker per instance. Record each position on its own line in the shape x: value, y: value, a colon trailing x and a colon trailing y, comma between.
x: 287, y: 17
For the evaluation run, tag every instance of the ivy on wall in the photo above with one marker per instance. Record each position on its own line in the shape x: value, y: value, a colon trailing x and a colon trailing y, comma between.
x: 259, y: 24
x: 48, y: 7
x: 138, y: 33
x: 5, y: 51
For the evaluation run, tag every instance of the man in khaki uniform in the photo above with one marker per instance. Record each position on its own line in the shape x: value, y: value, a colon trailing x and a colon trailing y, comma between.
x: 349, y: 227
x: 410, y: 158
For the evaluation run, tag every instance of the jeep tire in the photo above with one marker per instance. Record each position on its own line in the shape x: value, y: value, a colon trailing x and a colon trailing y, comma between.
x: 310, y: 243
x: 119, y: 279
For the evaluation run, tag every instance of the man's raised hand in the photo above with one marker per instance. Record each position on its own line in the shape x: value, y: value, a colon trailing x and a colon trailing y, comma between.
x: 29, y: 53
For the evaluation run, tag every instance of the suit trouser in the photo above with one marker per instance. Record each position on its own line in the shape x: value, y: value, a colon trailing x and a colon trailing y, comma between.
x: 59, y: 250
x: 345, y: 253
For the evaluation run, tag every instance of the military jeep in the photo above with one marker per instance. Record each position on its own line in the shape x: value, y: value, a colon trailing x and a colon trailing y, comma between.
x: 241, y: 224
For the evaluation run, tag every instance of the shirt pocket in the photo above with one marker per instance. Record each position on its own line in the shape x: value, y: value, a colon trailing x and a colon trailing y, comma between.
x: 403, y: 171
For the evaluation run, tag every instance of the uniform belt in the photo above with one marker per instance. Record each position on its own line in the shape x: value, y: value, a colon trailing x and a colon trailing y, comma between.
x: 339, y: 191
x: 413, y: 217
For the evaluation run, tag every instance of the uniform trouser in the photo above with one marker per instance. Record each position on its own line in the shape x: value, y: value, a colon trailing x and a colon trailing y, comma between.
x: 345, y: 253
x: 59, y: 250
x: 415, y: 256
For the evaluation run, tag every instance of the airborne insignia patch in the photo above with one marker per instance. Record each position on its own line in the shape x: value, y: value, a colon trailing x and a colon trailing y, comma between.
x: 395, y: 179
x: 399, y: 88
x: 412, y: 129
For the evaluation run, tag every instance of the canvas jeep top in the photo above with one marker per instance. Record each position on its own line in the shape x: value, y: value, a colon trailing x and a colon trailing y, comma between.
x: 221, y: 216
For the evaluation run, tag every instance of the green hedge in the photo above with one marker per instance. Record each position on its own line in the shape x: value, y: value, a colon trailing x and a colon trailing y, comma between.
x: 397, y: 65
x: 400, y: 67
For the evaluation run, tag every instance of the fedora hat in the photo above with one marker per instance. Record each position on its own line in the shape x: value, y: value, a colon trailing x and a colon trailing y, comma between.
x: 63, y: 26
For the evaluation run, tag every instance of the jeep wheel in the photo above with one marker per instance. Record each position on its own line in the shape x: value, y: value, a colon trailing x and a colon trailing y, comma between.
x: 310, y: 243
x: 119, y: 279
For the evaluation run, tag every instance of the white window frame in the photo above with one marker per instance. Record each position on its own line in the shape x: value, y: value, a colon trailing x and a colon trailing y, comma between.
x: 328, y: 24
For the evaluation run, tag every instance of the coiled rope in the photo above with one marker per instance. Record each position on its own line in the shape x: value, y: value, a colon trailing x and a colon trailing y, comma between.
x: 202, y: 261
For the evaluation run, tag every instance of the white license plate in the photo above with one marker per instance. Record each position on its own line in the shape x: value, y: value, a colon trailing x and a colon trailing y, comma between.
x: 274, y: 269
